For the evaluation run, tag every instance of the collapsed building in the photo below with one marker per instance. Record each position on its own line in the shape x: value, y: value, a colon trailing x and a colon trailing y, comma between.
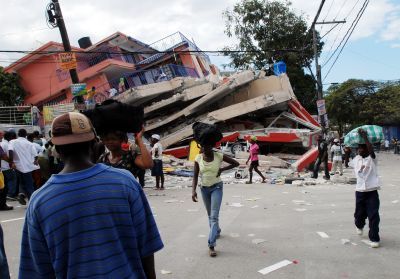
x: 242, y: 105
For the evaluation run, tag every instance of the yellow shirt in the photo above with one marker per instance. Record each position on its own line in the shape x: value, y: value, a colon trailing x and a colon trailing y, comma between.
x: 209, y: 170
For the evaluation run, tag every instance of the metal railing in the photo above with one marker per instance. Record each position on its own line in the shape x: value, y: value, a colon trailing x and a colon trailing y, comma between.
x: 16, y: 115
x: 172, y: 41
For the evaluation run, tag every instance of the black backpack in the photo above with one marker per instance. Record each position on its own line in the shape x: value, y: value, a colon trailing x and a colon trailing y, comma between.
x: 206, y: 134
x: 113, y: 115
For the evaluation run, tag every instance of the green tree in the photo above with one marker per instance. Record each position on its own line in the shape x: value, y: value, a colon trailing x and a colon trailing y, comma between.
x: 383, y: 107
x: 345, y: 103
x: 270, y: 30
x: 11, y: 92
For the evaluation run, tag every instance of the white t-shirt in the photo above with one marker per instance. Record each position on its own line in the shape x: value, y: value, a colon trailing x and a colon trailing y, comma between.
x: 387, y: 143
x: 157, y: 146
x: 367, y: 176
x: 24, y: 154
x: 4, y: 145
x: 337, y: 152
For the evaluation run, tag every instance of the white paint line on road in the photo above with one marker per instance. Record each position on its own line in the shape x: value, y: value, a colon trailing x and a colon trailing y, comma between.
x: 258, y: 241
x: 323, y: 235
x: 274, y: 267
x: 12, y: 220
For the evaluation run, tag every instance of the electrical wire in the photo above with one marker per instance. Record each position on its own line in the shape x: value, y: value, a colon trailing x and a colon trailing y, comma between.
x: 359, y: 17
x: 345, y: 36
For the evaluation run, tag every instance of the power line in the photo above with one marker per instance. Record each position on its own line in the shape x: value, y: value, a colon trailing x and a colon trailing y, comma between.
x: 359, y: 17
x: 346, y: 35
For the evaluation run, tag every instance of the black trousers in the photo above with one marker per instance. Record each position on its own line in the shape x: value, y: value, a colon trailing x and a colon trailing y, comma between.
x: 3, y: 195
x: 367, y: 205
x: 318, y: 164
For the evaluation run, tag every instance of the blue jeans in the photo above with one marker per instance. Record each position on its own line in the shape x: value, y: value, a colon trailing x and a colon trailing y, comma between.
x: 4, y: 272
x: 10, y: 179
x: 26, y: 183
x: 212, y: 198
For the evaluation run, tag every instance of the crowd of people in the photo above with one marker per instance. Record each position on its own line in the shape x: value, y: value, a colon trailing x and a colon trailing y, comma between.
x: 91, y: 217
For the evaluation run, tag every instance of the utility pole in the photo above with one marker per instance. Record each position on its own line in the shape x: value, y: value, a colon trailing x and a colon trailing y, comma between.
x: 317, y: 66
x: 57, y: 20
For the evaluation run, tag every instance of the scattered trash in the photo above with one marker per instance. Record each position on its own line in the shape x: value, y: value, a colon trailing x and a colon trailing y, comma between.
x: 171, y: 201
x: 298, y: 201
x: 283, y: 204
x: 251, y: 235
x: 241, y: 173
x: 258, y: 241
x: 395, y: 201
x: 323, y: 235
x: 295, y: 261
x: 234, y: 235
x: 297, y: 183
x: 354, y: 244
x: 345, y: 241
x: 253, y: 199
x: 235, y: 204
x: 164, y: 272
x: 236, y: 196
x: 300, y: 209
x: 255, y: 206
x: 201, y: 235
x: 192, y: 210
x: 274, y: 267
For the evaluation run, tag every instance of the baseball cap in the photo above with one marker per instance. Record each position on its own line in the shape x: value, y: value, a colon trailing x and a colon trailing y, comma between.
x: 155, y: 136
x: 71, y: 127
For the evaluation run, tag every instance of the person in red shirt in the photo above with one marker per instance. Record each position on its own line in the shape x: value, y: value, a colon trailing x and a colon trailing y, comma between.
x: 253, y: 158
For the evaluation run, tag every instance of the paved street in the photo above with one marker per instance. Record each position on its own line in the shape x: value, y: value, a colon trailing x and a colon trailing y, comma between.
x: 286, y: 217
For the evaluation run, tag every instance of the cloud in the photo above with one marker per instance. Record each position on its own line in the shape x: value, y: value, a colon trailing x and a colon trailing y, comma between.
x: 149, y: 21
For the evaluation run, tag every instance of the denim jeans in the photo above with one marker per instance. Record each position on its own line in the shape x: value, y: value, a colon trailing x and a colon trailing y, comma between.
x: 10, y: 179
x: 212, y: 198
x: 4, y: 272
x: 26, y: 183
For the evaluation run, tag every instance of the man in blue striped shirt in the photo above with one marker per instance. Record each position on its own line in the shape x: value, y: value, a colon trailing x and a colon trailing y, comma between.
x: 89, y: 221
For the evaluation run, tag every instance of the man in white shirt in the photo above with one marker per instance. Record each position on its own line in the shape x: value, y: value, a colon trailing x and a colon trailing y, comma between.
x: 336, y: 151
x: 10, y: 179
x: 387, y: 144
x: 23, y: 158
x: 368, y: 184
x: 156, y: 154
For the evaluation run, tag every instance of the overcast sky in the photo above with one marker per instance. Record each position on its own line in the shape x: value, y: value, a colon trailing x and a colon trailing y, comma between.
x: 372, y: 52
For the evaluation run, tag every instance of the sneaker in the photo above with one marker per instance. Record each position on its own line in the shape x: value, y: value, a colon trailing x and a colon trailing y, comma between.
x: 374, y: 244
x: 21, y: 199
x: 212, y: 252
x: 359, y: 231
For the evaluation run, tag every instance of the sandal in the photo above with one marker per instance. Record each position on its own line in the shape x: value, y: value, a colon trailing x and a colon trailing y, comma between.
x: 212, y: 252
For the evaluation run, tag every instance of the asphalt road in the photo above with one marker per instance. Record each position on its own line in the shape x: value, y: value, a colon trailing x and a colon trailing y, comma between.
x: 266, y: 225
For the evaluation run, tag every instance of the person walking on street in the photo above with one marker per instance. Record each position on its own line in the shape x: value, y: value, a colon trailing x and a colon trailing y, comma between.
x: 208, y: 165
x: 368, y: 184
x: 322, y: 158
x: 253, y: 158
x: 4, y: 271
x: 23, y: 157
x: 336, y: 156
x: 156, y: 153
x: 90, y: 220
